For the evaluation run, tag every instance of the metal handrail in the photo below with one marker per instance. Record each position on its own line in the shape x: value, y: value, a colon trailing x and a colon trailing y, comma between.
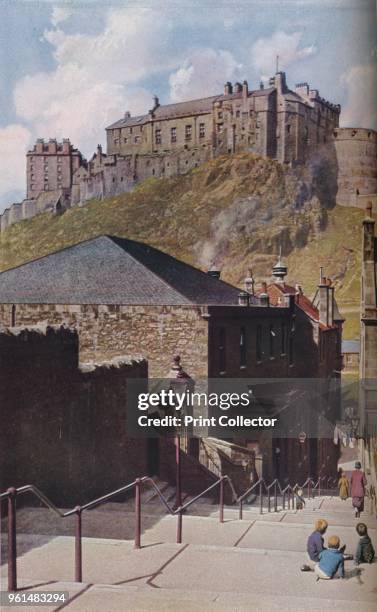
x: 12, y: 493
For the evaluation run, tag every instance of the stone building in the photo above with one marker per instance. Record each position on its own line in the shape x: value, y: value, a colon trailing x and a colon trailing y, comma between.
x: 64, y: 423
x: 125, y: 297
x: 173, y: 139
x: 50, y: 166
x: 368, y: 328
x: 272, y: 122
x: 356, y: 155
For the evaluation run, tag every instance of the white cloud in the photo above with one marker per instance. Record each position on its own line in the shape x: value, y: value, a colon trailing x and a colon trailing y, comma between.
x: 68, y: 103
x: 133, y: 44
x: 14, y: 142
x: 60, y: 14
x: 96, y: 77
x: 360, y: 109
x: 286, y: 46
x: 203, y: 74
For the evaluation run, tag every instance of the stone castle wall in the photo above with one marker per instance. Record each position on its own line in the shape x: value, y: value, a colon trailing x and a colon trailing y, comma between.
x: 356, y: 152
x: 66, y: 423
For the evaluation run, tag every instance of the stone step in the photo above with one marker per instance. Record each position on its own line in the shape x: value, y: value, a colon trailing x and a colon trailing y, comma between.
x: 86, y: 597
x: 260, y: 574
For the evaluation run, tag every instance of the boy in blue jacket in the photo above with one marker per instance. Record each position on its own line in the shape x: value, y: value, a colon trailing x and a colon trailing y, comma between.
x: 331, y: 561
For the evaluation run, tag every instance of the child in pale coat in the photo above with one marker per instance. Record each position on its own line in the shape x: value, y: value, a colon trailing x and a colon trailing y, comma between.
x: 343, y: 487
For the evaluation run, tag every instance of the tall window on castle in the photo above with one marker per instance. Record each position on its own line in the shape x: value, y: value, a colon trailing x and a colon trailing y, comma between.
x: 157, y: 137
x: 272, y: 341
x: 202, y: 130
x: 288, y: 129
x: 173, y: 134
x: 222, y: 349
x: 259, y: 350
x: 283, y: 339
x: 243, y: 352
x: 188, y: 132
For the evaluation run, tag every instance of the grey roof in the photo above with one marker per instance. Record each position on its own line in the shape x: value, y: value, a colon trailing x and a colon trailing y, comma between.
x: 111, y: 270
x: 351, y: 346
x: 200, y: 106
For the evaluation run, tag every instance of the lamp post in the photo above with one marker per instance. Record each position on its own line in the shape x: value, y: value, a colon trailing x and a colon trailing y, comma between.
x: 179, y: 382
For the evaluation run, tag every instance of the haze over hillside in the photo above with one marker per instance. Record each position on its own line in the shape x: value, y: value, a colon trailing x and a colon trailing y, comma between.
x: 232, y: 213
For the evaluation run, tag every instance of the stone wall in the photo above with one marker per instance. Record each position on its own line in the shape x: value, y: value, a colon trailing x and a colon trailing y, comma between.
x: 156, y: 332
x: 356, y: 152
x: 63, y: 425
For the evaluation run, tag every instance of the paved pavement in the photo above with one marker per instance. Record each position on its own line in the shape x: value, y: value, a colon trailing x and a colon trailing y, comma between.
x: 252, y: 564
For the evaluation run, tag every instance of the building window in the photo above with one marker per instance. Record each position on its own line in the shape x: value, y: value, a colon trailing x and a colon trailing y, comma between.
x: 173, y: 134
x: 188, y: 132
x: 130, y: 130
x: 157, y: 137
x: 125, y: 140
x: 238, y: 113
x: 288, y: 129
x: 13, y: 316
x: 222, y: 349
x: 272, y: 341
x: 202, y: 130
x: 259, y: 351
x: 137, y: 139
x: 220, y: 115
x: 116, y: 141
x: 243, y: 356
x: 283, y: 339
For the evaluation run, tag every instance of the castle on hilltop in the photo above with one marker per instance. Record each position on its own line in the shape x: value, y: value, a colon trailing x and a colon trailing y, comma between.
x: 172, y: 139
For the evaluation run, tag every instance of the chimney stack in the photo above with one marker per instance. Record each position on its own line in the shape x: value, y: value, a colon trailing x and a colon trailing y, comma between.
x: 243, y: 298
x: 245, y: 89
x: 237, y: 87
x: 249, y: 282
x: 264, y: 299
x: 326, y: 301
x: 228, y: 88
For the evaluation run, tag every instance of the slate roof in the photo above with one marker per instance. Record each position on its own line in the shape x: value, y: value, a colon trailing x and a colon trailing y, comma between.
x: 111, y: 270
x: 200, y: 106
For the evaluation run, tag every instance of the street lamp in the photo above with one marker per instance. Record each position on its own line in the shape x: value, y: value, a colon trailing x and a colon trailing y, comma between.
x: 179, y: 382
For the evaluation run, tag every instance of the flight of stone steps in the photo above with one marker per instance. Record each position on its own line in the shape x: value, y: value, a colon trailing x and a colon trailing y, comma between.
x: 253, y: 564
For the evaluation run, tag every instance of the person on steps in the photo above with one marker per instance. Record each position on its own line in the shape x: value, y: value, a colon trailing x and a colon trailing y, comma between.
x: 315, y: 545
x: 358, y: 484
x: 343, y: 487
x: 331, y: 561
x: 365, y: 551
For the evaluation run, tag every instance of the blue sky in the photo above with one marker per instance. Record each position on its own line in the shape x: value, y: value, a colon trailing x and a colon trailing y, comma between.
x: 68, y: 69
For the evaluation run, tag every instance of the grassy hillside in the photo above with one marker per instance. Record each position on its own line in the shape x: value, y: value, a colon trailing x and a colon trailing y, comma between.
x: 233, y: 213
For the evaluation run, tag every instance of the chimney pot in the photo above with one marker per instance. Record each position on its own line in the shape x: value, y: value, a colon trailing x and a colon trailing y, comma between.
x: 243, y: 298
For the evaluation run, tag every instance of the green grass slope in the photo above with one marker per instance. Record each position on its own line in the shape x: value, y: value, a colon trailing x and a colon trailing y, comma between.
x: 233, y: 213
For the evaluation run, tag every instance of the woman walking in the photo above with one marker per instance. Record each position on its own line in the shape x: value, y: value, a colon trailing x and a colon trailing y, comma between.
x: 343, y: 486
x: 358, y: 484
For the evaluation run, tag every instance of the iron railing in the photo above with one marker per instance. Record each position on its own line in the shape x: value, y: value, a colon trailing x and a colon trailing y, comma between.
x: 289, y: 492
